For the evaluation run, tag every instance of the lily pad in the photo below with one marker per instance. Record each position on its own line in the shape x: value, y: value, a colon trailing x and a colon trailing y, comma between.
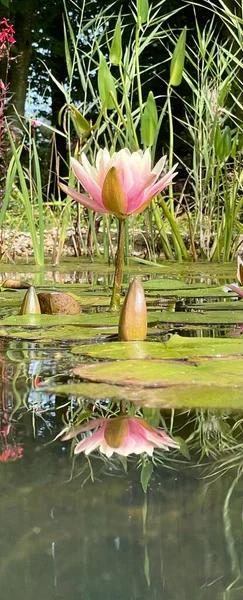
x: 176, y: 347
x: 192, y: 292
x: 196, y: 317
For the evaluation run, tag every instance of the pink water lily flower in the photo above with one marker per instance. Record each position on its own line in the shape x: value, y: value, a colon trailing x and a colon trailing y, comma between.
x: 123, y: 435
x: 122, y: 184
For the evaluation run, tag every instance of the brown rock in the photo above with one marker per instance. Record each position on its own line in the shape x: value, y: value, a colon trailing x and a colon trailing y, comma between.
x: 53, y: 303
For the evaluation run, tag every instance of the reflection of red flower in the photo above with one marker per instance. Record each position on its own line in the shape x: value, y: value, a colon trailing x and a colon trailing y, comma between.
x: 11, y: 453
x: 5, y: 431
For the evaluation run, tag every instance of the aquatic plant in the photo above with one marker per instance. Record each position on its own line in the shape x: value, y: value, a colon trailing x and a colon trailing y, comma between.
x: 121, y: 434
x: 121, y: 184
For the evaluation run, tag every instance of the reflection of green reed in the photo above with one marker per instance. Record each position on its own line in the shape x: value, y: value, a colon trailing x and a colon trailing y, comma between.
x: 236, y: 568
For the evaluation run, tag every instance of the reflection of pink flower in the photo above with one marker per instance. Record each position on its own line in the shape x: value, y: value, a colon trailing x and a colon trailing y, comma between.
x: 124, y: 435
x: 11, y: 453
x: 121, y: 184
x: 240, y: 270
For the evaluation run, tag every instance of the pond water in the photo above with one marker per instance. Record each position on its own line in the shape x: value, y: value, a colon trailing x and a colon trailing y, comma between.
x: 85, y: 528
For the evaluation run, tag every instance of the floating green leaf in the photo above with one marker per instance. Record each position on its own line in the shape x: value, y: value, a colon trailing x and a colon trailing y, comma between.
x: 176, y: 347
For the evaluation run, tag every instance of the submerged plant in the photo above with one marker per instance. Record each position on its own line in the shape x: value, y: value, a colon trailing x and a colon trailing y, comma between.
x: 122, y: 184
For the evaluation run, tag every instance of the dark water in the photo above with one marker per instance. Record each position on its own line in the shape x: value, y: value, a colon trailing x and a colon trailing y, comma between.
x: 88, y: 532
x: 107, y: 540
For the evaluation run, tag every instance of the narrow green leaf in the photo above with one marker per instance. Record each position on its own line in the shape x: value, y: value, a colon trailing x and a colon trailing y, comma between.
x: 146, y: 472
x: 178, y: 59
x: 106, y: 84
x: 224, y: 91
x: 226, y: 142
x: 142, y: 10
x: 68, y: 58
x: 152, y: 416
x: 183, y: 446
x: 40, y: 202
x: 146, y: 566
x: 149, y: 121
x: 116, y: 46
x: 218, y: 143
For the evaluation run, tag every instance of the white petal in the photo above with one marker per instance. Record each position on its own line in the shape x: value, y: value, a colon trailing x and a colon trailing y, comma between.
x: 159, y: 165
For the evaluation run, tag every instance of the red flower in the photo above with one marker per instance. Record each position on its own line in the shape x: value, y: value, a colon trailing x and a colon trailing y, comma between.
x: 11, y: 453
x: 6, y: 36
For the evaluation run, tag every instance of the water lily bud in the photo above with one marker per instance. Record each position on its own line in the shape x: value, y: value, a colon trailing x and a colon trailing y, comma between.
x: 81, y: 124
x: 178, y: 59
x: 106, y: 84
x: 149, y: 121
x: 240, y: 269
x: 116, y: 46
x: 113, y: 195
x: 30, y: 304
x: 133, y: 317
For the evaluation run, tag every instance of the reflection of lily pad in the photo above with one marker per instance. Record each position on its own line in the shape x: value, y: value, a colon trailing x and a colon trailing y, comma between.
x: 163, y: 373
x: 58, y: 333
x: 176, y: 347
x: 214, y: 384
x: 84, y: 319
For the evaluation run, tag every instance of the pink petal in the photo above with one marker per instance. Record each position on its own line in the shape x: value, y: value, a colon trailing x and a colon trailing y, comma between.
x: 84, y: 427
x: 87, y: 202
x: 236, y: 289
x: 123, y: 166
x: 161, y: 184
x: 138, y: 191
x: 150, y: 192
x: 91, y: 442
x: 90, y: 170
x: 152, y: 437
x: 87, y: 182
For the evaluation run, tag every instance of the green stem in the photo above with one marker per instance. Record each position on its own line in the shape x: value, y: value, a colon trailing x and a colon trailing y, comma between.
x: 116, y: 291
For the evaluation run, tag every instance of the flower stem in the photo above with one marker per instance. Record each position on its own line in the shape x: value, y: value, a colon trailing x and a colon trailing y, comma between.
x: 116, y: 291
